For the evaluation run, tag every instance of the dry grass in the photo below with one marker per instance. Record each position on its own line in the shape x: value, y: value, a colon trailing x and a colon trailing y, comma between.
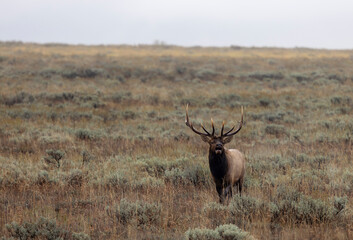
x: 130, y: 168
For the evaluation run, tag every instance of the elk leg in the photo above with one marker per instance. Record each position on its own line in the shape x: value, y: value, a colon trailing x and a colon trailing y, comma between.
x: 236, y: 185
x: 240, y: 185
x: 220, y: 193
x: 229, y: 191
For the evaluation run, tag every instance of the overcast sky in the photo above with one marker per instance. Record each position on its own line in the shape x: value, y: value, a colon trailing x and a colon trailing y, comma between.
x: 271, y: 23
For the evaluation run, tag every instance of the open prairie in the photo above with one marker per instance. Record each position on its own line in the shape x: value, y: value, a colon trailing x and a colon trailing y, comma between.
x: 93, y: 143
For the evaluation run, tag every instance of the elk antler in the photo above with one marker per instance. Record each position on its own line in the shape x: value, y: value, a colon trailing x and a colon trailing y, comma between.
x: 189, y: 124
x: 230, y: 133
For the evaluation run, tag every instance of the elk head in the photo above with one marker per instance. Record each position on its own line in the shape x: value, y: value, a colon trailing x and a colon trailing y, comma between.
x: 216, y: 142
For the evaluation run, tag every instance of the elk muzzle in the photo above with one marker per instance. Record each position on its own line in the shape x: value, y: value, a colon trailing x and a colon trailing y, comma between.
x: 219, y: 148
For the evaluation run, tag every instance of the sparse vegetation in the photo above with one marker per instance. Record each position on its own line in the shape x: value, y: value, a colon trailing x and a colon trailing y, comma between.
x: 227, y: 231
x: 93, y: 143
x: 142, y: 212
x: 42, y: 229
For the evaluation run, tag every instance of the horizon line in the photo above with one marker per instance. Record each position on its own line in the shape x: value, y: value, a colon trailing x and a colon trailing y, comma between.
x: 164, y: 44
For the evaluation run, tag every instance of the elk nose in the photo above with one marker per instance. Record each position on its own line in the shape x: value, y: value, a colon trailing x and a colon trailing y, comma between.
x: 218, y: 145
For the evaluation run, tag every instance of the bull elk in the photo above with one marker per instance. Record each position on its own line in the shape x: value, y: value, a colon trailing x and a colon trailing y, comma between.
x: 227, y: 165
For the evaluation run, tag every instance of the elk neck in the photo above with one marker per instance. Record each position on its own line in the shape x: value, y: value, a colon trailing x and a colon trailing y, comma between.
x: 218, y: 164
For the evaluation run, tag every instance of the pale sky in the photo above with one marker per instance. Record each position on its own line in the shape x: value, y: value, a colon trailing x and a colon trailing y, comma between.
x: 269, y: 23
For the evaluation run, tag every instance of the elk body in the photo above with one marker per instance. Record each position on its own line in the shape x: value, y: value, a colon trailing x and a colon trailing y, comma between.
x: 227, y: 165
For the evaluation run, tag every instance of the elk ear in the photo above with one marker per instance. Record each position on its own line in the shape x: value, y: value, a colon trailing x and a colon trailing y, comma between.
x: 227, y: 139
x: 205, y: 138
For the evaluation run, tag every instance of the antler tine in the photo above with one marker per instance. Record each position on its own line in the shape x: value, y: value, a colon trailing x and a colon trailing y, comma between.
x: 212, y: 127
x: 189, y: 124
x: 230, y: 133
x: 187, y: 116
x: 222, y: 128
x: 205, y: 129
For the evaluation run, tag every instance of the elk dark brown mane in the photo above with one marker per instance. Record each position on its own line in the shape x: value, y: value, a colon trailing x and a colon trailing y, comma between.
x: 227, y: 165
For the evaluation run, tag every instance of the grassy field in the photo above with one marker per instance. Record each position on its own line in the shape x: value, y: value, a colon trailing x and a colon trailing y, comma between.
x: 93, y: 143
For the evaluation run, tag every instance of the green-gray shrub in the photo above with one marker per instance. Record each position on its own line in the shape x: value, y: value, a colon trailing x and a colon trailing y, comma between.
x: 320, y: 160
x: 275, y: 129
x: 124, y: 212
x: 294, y: 207
x: 263, y: 75
x: 129, y: 115
x: 206, y: 74
x: 41, y: 229
x: 54, y: 156
x: 85, y: 134
x: 59, y: 97
x: 156, y: 167
x: 11, y: 174
x: 341, y: 100
x: 309, y: 210
x: 48, y: 72
x: 117, y: 179
x: 340, y: 203
x: 274, y: 116
x: 195, y: 175
x: 175, y: 176
x: 300, y: 77
x: 202, y: 234
x: 86, y: 156
x: 216, y: 212
x: 42, y: 178
x: 347, y: 178
x: 231, y: 231
x: 148, y: 182
x: 75, y: 178
x: 83, y: 73
x: 77, y: 116
x: 121, y: 96
x: 214, y: 208
x: 19, y: 98
x: 143, y: 212
x: 246, y: 207
x: 264, y: 102
x: 80, y: 236
x: 222, y: 232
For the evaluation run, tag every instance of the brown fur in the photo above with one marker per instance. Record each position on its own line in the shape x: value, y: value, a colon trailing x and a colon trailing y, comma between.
x: 236, y: 171
x: 227, y: 168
